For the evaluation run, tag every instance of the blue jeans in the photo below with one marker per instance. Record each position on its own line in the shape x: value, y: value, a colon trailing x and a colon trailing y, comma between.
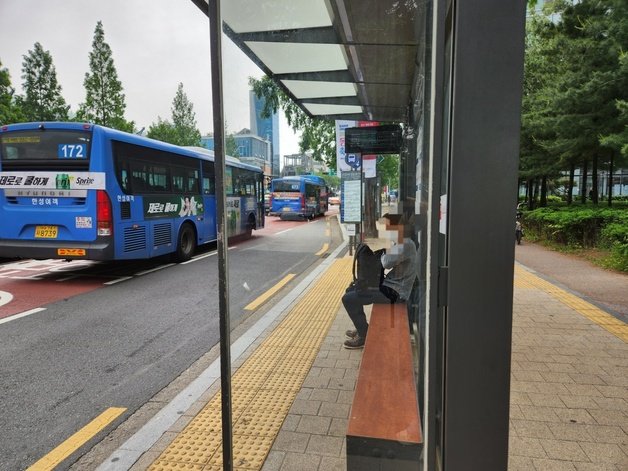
x: 354, y: 301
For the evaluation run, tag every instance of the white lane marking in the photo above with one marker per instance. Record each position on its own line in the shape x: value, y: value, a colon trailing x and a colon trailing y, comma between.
x: 22, y: 314
x: 284, y: 231
x: 161, y: 267
x: 200, y: 257
x: 5, y: 298
x: 117, y: 280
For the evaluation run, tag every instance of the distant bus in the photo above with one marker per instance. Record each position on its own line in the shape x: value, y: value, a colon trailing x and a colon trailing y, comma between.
x: 83, y: 191
x: 303, y: 196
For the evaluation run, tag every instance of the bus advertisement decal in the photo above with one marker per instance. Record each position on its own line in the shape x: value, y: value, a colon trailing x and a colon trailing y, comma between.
x: 172, y: 206
x: 53, y: 180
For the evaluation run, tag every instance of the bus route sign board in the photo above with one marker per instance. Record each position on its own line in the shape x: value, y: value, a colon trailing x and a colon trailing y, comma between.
x: 351, y: 204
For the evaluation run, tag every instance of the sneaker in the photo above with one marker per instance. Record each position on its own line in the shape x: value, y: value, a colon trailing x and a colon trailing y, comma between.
x: 354, y: 343
x: 351, y: 333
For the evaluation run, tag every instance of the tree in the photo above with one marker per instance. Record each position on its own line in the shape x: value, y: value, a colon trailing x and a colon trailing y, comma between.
x: 573, y: 88
x: 104, y: 100
x: 184, y: 120
x: 162, y: 131
x: 10, y: 112
x: 182, y: 131
x: 42, y: 100
x: 317, y: 135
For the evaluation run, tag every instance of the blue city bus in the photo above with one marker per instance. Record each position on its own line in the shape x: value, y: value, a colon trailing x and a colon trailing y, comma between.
x: 298, y: 197
x: 83, y: 191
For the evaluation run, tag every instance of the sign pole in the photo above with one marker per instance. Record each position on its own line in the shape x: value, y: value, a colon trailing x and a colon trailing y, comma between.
x: 215, y: 31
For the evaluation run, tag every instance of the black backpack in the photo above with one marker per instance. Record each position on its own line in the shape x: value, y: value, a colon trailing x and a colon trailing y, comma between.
x: 368, y: 271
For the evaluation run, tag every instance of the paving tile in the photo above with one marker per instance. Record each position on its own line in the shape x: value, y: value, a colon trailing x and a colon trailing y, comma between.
x: 314, y: 424
x: 587, y: 378
x: 345, y: 397
x: 614, y: 391
x: 331, y: 373
x: 305, y: 407
x: 552, y: 388
x: 533, y: 429
x: 315, y: 382
x: 523, y: 386
x: 605, y: 453
x: 609, y: 417
x: 569, y: 431
x: 552, y: 465
x: 344, y: 383
x: 557, y: 377
x: 519, y: 463
x: 352, y: 364
x: 606, y: 434
x: 291, y: 441
x: 575, y: 416
x: 273, y: 461
x: 578, y: 402
x: 563, y: 450
x: 541, y: 414
x: 525, y: 446
x: 332, y: 409
x: 520, y: 398
x: 612, y: 403
x: 584, y: 389
x: 595, y: 467
x: 291, y: 422
x: 327, y: 395
x: 325, y: 445
x: 301, y: 462
x: 338, y: 427
x: 546, y: 400
x: 330, y: 463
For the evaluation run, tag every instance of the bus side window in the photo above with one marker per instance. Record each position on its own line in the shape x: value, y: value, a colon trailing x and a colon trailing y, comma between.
x: 124, y: 180
x: 192, y: 181
x: 208, y: 179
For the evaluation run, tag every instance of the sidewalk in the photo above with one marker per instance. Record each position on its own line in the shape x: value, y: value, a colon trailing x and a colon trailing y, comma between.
x: 292, y: 393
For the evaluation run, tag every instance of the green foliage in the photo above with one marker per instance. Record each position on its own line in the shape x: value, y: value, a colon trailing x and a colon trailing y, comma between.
x: 586, y: 227
x: 162, y: 131
x: 104, y: 101
x: 575, y: 86
x: 10, y: 112
x: 388, y: 170
x: 332, y: 181
x: 231, y: 146
x: 317, y: 135
x: 184, y: 120
x: 42, y: 100
x: 182, y: 131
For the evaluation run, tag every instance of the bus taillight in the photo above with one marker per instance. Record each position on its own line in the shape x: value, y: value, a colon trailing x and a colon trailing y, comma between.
x: 302, y: 202
x: 104, y: 221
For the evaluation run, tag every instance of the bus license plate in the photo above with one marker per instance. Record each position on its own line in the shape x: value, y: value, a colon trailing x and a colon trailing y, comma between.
x: 46, y: 232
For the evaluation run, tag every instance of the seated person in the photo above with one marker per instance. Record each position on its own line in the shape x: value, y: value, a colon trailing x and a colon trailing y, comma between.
x: 401, y: 260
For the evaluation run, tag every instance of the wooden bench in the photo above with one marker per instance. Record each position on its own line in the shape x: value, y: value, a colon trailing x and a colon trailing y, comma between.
x: 384, y: 430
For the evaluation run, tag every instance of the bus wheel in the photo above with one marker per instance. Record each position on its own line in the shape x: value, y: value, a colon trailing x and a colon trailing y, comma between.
x: 186, y: 243
x: 250, y: 225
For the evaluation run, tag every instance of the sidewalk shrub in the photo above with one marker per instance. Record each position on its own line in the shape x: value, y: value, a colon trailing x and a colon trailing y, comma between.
x: 583, y: 227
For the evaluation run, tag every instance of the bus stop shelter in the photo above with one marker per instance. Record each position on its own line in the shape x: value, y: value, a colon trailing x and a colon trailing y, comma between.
x: 450, y: 72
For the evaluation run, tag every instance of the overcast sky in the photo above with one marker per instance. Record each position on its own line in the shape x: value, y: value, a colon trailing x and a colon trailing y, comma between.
x: 155, y: 44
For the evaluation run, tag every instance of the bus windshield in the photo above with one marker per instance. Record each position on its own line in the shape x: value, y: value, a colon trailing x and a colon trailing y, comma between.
x: 24, y: 149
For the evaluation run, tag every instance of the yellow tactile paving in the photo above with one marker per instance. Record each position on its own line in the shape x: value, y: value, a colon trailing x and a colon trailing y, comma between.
x: 264, y: 387
x: 525, y: 279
